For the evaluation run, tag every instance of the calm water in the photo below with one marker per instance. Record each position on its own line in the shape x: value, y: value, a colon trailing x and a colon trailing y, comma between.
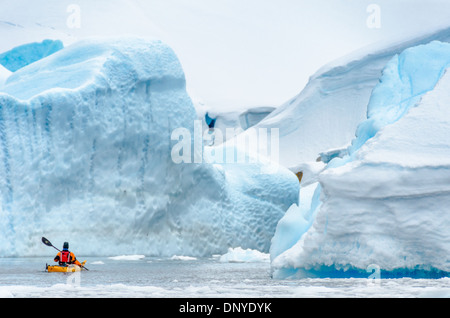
x: 206, y: 278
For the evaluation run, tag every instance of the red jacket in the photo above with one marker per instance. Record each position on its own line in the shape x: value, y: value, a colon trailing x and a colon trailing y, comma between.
x: 66, y: 258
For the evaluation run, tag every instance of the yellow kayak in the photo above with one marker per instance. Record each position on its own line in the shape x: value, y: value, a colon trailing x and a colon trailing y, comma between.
x: 64, y: 269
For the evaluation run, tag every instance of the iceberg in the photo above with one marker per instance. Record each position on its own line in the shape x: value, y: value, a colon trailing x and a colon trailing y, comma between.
x: 26, y: 54
x: 386, y: 204
x: 327, y: 112
x: 86, y: 157
x: 4, y: 74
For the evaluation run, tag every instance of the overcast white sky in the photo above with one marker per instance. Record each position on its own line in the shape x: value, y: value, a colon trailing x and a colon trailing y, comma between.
x: 234, y: 52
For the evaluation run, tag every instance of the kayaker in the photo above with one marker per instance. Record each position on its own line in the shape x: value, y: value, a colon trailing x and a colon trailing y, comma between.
x: 65, y: 257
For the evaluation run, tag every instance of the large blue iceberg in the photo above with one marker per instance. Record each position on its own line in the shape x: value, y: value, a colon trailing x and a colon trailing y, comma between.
x: 85, y: 157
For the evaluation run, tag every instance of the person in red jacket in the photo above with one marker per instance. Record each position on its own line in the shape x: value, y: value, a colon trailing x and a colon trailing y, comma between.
x: 65, y: 257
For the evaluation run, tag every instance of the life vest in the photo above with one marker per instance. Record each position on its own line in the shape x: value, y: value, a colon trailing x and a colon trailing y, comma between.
x: 65, y: 257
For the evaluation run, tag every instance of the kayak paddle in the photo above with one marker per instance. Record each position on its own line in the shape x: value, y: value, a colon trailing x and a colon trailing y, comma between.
x: 48, y: 243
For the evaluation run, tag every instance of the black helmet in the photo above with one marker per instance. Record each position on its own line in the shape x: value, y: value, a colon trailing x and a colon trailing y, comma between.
x: 66, y: 246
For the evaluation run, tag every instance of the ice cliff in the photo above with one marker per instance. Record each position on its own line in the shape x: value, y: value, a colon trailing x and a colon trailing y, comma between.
x: 85, y: 157
x: 386, y: 203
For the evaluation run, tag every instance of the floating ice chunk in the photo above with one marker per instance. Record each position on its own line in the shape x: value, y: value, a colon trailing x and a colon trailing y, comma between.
x: 86, y: 150
x: 239, y: 255
x: 127, y: 257
x: 183, y: 258
x: 387, y: 204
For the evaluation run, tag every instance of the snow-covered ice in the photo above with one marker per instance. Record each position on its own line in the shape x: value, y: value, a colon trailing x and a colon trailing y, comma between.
x: 387, y: 202
x: 26, y: 54
x: 226, y: 119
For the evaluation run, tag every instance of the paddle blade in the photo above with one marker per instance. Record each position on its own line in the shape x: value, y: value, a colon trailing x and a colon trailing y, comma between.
x: 46, y: 242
